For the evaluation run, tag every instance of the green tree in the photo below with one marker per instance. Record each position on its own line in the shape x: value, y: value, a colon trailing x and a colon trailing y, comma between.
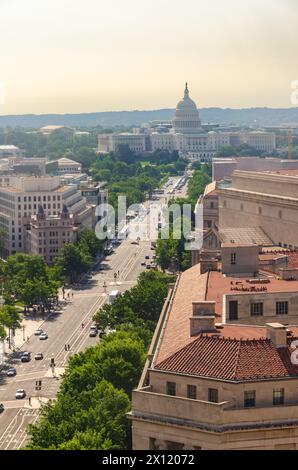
x: 89, y: 241
x: 99, y: 412
x: 30, y: 280
x: 73, y: 261
x: 9, y: 318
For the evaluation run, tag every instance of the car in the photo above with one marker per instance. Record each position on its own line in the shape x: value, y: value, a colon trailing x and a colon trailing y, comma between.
x: 38, y: 356
x: 25, y: 357
x: 38, y: 332
x: 147, y: 257
x: 148, y: 266
x: 143, y: 263
x: 43, y: 336
x: 153, y: 265
x: 20, y: 393
x: 1, y: 407
x: 92, y: 333
x: 11, y: 372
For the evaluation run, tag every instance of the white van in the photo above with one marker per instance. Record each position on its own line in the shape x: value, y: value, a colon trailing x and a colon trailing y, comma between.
x: 113, y: 296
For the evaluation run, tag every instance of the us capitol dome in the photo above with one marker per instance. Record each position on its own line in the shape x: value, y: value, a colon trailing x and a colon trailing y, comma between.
x: 186, y: 119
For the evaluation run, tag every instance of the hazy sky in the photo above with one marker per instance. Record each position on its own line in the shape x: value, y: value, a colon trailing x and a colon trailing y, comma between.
x: 101, y: 55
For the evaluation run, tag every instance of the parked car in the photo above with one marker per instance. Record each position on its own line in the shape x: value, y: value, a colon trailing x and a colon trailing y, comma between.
x: 148, y: 266
x: 11, y: 372
x: 25, y: 357
x: 20, y: 393
x: 147, y: 257
x: 38, y: 356
x: 1, y: 408
x: 43, y: 336
x: 38, y: 332
x: 92, y: 333
x: 143, y: 263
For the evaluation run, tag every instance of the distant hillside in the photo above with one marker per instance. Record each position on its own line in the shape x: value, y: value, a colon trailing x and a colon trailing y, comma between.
x: 227, y: 116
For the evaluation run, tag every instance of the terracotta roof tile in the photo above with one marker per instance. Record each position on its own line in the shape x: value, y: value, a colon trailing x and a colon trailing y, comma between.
x: 231, y: 359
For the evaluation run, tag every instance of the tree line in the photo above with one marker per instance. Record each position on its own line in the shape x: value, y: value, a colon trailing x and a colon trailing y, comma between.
x: 95, y: 395
x: 170, y: 252
x: 28, y: 281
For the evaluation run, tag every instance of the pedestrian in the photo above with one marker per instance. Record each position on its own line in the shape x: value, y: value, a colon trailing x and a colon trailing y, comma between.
x: 72, y: 295
x: 68, y: 347
x: 83, y: 325
x: 28, y: 339
x: 118, y: 273
x: 65, y: 347
x: 29, y: 401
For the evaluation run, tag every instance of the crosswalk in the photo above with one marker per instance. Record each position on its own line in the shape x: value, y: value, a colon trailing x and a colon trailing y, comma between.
x: 15, y: 436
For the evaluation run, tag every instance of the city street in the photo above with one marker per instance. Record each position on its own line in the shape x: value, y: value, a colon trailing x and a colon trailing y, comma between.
x: 64, y: 328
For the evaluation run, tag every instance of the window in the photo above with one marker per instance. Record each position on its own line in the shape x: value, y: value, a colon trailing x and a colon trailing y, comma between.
x: 233, y: 310
x: 249, y: 399
x: 233, y: 258
x: 241, y: 207
x: 213, y: 395
x: 212, y: 205
x: 282, y: 308
x: 280, y: 214
x: 260, y: 210
x: 256, y: 310
x: 192, y: 392
x: 279, y: 396
x: 171, y: 388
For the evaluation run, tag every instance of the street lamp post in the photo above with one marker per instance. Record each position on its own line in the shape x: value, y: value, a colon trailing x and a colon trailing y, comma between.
x: 24, y: 333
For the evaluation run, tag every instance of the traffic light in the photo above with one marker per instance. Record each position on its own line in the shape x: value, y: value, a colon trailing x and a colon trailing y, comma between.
x: 38, y: 384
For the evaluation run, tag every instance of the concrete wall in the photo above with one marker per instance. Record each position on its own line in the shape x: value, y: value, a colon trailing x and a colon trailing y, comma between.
x: 268, y: 201
x: 223, y: 168
x: 247, y: 261
x: 229, y: 412
x: 269, y: 307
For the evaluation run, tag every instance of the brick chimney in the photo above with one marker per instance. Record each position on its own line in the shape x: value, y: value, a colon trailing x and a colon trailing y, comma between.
x: 208, y: 265
x: 203, y: 317
x: 277, y: 333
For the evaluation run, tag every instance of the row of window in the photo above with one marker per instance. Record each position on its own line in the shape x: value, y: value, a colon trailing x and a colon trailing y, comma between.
x: 30, y: 213
x: 260, y: 210
x: 249, y: 399
x: 53, y: 234
x: 34, y: 206
x: 39, y: 198
x: 257, y: 309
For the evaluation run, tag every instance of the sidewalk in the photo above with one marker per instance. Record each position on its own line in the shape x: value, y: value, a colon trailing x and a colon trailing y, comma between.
x: 32, y: 322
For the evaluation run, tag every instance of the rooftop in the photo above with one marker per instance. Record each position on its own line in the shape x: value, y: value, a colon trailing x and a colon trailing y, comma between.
x: 193, y: 286
x: 9, y: 147
x: 231, y: 359
x: 245, y: 236
x: 210, y: 189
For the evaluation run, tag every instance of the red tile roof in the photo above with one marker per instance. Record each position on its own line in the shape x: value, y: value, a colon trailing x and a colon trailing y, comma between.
x: 191, y: 287
x: 231, y: 359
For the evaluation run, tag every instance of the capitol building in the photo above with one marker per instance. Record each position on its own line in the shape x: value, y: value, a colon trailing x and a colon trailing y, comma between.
x: 186, y: 134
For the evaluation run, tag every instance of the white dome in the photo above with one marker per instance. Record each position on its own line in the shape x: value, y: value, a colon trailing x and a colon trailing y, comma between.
x: 186, y: 119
